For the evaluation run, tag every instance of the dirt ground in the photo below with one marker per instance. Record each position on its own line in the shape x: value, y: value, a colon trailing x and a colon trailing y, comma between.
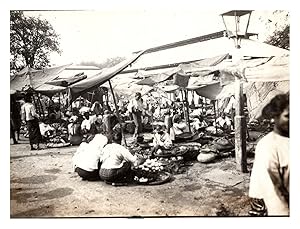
x: 44, y: 185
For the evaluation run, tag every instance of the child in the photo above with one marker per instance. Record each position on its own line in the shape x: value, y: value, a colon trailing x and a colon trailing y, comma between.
x: 162, y: 139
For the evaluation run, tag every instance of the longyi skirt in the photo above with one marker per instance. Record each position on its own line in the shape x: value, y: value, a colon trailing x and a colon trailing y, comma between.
x: 34, y: 131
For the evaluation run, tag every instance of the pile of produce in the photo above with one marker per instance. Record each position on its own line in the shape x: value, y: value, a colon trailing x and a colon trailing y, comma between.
x: 59, y: 136
x: 151, y: 172
x: 148, y: 171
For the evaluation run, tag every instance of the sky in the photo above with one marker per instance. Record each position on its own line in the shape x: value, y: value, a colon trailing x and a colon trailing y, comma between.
x: 95, y: 35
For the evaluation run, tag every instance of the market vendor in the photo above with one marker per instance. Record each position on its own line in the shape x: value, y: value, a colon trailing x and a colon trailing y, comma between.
x: 58, y: 113
x: 75, y: 136
x: 117, y: 162
x: 224, y: 122
x: 179, y: 127
x: 97, y: 109
x: 86, y: 160
x: 198, y: 123
x: 162, y: 139
x: 45, y: 129
x: 86, y: 126
x: 84, y: 109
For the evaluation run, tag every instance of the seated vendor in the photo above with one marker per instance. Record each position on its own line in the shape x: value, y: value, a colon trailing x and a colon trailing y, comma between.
x: 178, y: 127
x: 86, y: 160
x: 86, y: 126
x: 223, y: 122
x: 58, y: 113
x: 46, y: 130
x: 198, y: 124
x: 162, y: 139
x: 117, y: 162
x: 75, y: 136
x: 83, y: 110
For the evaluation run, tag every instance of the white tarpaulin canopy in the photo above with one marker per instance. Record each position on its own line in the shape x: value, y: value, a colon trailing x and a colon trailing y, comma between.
x: 32, y: 78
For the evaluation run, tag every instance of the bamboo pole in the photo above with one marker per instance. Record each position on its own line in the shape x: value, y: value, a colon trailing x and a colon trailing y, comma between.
x: 187, y: 109
x: 215, y: 115
x: 35, y: 104
x: 93, y: 93
x: 39, y: 100
x: 117, y: 111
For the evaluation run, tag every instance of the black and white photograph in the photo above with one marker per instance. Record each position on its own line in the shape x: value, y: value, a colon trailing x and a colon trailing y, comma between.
x: 149, y: 112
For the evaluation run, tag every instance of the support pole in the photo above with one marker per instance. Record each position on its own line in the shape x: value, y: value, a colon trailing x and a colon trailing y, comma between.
x: 240, y: 128
x: 187, y: 109
x: 59, y: 104
x: 215, y: 115
x: 35, y: 104
x: 92, y: 99
x: 41, y: 105
x: 117, y: 111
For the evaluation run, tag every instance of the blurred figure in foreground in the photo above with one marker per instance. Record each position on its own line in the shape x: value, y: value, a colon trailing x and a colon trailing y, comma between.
x: 269, y: 183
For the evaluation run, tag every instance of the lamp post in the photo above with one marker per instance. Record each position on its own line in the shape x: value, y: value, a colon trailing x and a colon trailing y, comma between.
x: 236, y: 23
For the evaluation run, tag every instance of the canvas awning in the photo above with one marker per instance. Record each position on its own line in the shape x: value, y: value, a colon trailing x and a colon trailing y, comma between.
x: 152, y: 79
x: 259, y: 94
x: 50, y: 90
x: 199, y: 65
x: 169, y: 88
x: 199, y: 81
x: 31, y: 78
x: 64, y: 82
x: 129, y: 89
x: 271, y: 69
x: 100, y: 78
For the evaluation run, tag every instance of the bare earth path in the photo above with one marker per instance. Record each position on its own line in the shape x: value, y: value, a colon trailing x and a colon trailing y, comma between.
x: 44, y: 185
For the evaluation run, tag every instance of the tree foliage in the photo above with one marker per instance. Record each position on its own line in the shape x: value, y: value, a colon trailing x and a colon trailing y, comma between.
x: 277, y: 23
x: 280, y: 38
x: 31, y: 41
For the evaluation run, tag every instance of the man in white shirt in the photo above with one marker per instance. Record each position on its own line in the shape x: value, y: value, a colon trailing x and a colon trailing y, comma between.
x: 116, y: 162
x: 136, y: 106
x: 29, y: 115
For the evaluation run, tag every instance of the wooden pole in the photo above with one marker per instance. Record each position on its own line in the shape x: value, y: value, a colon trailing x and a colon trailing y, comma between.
x: 117, y: 111
x: 187, y: 109
x: 39, y: 101
x: 215, y: 115
x: 92, y: 99
x: 240, y: 128
x: 183, y: 102
x: 35, y: 104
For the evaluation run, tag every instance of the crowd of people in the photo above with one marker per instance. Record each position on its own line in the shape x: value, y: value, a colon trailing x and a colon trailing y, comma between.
x: 102, y: 156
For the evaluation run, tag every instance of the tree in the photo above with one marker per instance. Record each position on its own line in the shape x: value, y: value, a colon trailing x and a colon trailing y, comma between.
x: 31, y: 41
x: 276, y: 28
x: 280, y: 38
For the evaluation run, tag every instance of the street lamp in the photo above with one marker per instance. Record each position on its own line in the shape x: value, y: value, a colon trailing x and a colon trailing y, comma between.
x: 236, y: 23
